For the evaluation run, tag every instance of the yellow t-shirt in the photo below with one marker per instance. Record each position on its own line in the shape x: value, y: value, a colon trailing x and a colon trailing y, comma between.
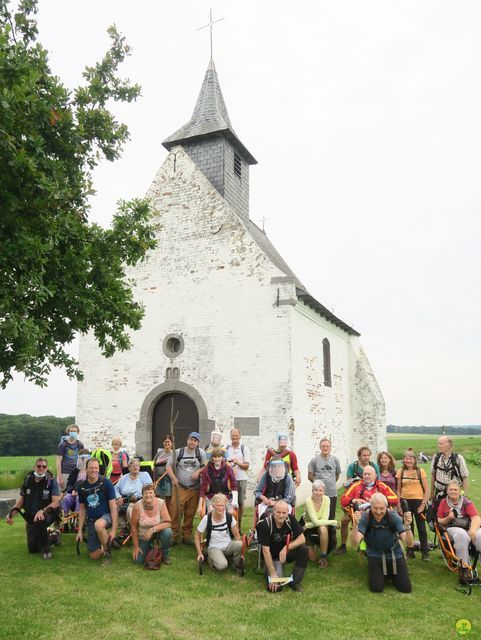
x: 411, y: 488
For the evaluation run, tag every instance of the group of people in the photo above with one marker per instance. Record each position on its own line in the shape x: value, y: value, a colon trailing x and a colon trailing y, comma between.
x: 380, y: 503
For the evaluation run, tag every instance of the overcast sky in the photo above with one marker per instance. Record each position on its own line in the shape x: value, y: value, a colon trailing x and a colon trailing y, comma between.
x: 364, y: 117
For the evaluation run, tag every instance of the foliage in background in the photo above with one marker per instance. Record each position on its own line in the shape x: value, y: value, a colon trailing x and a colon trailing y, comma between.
x: 25, y: 435
x: 59, y: 274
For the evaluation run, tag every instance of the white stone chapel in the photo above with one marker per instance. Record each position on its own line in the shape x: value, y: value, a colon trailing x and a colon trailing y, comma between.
x: 230, y: 337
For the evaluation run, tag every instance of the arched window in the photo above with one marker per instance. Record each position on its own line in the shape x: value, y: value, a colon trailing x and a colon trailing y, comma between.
x: 326, y: 358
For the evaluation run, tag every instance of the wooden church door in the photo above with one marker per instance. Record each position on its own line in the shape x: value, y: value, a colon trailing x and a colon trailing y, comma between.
x: 174, y: 413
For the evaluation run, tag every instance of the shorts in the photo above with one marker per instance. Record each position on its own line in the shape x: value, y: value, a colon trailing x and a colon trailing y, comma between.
x: 93, y: 542
x: 241, y: 490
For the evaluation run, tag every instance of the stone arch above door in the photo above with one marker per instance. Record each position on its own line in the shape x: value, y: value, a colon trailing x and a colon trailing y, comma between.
x: 143, y: 431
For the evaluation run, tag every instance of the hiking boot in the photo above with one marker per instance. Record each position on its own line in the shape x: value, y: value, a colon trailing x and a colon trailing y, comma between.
x: 410, y: 553
x: 425, y: 557
x: 166, y: 560
x: 295, y: 586
x: 187, y: 541
x: 47, y: 555
x: 323, y: 562
x: 116, y: 544
x: 341, y: 549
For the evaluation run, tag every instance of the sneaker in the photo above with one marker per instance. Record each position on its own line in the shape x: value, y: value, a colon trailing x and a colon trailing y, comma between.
x: 47, y: 555
x: 323, y: 562
x: 425, y: 557
x: 410, y: 553
x: 166, y: 560
x: 295, y: 586
x: 341, y: 549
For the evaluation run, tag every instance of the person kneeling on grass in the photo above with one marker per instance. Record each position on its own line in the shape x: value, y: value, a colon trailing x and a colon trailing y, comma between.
x: 282, y: 540
x: 39, y: 499
x: 222, y: 536
x: 382, y: 529
x: 98, y: 507
x: 316, y: 522
x: 150, y: 518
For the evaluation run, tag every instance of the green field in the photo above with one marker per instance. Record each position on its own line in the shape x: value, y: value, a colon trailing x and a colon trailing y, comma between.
x: 399, y: 442
x: 13, y: 469
x: 73, y: 596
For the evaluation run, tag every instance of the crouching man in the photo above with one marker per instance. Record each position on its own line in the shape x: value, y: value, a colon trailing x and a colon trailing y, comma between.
x: 39, y: 505
x: 282, y: 540
x: 382, y: 529
x: 99, y: 508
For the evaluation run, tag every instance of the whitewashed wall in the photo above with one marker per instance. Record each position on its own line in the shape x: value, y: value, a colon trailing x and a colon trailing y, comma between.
x: 208, y: 281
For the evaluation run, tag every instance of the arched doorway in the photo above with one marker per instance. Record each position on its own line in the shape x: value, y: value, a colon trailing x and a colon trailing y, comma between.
x: 174, y: 413
x: 144, y: 427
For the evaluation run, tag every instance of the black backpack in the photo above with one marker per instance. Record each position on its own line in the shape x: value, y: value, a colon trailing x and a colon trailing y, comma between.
x: 210, y: 526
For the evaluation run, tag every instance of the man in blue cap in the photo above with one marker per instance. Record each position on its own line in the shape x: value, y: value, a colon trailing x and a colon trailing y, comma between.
x: 185, y: 470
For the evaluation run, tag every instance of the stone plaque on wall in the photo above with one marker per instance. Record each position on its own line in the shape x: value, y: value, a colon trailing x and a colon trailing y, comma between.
x: 247, y: 426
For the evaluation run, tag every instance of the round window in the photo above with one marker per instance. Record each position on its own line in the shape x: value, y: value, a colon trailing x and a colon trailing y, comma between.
x: 173, y: 345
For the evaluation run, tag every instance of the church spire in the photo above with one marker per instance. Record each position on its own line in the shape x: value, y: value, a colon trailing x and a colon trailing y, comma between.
x: 210, y: 140
x: 210, y: 117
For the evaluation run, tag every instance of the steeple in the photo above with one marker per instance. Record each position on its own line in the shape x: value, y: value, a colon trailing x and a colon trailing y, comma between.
x: 212, y: 143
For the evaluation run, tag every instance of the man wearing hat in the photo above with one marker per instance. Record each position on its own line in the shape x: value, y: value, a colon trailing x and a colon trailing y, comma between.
x: 184, y: 471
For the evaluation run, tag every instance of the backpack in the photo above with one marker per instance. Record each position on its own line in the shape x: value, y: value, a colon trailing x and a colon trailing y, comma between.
x: 216, y: 484
x: 104, y: 458
x: 181, y: 455
x: 153, y: 559
x: 453, y: 466
x: 208, y: 531
x: 391, y: 524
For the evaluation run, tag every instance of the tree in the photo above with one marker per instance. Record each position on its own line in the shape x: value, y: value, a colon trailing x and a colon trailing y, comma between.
x: 60, y: 274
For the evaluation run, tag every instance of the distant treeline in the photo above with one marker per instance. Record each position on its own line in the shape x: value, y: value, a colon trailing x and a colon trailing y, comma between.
x: 25, y: 435
x: 466, y: 429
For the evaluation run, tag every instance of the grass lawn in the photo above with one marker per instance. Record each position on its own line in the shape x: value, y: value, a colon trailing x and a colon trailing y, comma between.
x: 74, y: 597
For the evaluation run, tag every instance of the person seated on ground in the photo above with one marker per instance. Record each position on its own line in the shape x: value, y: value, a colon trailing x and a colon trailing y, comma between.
x: 70, y: 501
x: 316, y: 522
x: 289, y: 457
x: 39, y: 498
x: 129, y: 488
x: 223, y: 540
x: 217, y: 477
x: 215, y: 443
x: 120, y: 460
x: 162, y: 458
x: 461, y: 520
x: 382, y: 528
x: 275, y: 484
x: 360, y: 492
x: 354, y: 474
x: 99, y: 509
x: 150, y: 519
x: 387, y: 469
x: 413, y: 487
x: 67, y: 454
x: 282, y: 540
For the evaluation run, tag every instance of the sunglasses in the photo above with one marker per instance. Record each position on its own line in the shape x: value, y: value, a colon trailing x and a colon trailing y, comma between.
x: 41, y: 466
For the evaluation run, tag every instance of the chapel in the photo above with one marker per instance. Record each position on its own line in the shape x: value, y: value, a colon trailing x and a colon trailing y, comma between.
x: 231, y: 336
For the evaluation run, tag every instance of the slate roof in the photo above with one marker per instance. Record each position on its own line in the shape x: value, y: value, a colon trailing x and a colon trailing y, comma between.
x: 210, y: 117
x: 275, y: 257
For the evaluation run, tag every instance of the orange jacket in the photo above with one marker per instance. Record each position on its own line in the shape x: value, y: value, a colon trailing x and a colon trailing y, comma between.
x: 359, y: 490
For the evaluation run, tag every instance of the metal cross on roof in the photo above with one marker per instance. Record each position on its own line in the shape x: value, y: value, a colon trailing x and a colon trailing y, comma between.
x: 210, y: 24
